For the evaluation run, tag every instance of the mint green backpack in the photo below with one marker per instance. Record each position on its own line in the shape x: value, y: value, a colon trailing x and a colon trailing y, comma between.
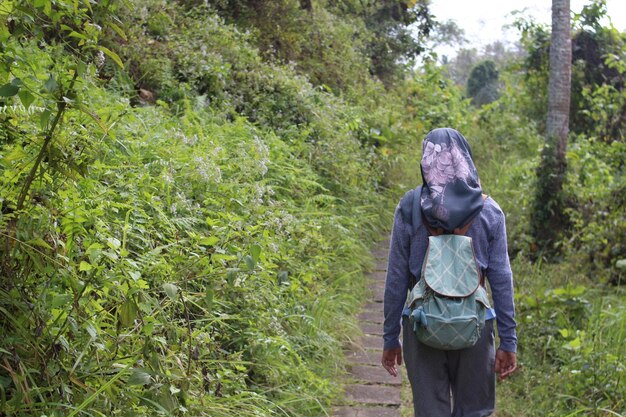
x: 448, y: 304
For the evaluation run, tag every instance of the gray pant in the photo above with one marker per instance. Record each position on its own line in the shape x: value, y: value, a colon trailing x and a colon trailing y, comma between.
x: 457, y: 383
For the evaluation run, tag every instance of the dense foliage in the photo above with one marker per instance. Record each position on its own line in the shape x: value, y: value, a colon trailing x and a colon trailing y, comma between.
x: 482, y: 84
x: 189, y: 190
x: 198, y: 255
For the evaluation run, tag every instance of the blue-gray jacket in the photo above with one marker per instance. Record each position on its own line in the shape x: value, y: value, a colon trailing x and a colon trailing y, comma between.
x: 406, y: 254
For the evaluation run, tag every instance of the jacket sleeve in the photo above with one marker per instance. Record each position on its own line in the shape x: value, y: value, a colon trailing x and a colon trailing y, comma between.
x: 500, y: 279
x: 397, y: 281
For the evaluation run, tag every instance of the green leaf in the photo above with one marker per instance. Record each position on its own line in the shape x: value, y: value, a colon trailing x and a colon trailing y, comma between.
x: 113, y: 243
x: 39, y: 242
x: 621, y: 264
x: 16, y: 154
x: 250, y: 263
x: 128, y: 313
x: 171, y: 290
x: 578, y: 290
x: 139, y: 377
x: 93, y: 332
x: 4, y: 34
x: 166, y: 400
x: 43, y: 119
x: 51, y: 85
x: 88, y: 4
x: 61, y: 300
x: 115, y: 57
x: 209, y: 241
x: 118, y: 30
x: 84, y: 266
x: 210, y: 294
x: 255, y: 251
x: 9, y: 90
x: 217, y: 257
x: 75, y: 34
x: 26, y: 98
x: 81, y: 67
x: 573, y: 344
x: 530, y: 301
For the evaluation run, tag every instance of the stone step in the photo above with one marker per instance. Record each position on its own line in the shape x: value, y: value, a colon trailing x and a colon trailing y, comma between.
x: 377, y: 275
x: 366, y: 412
x: 371, y: 342
x: 375, y: 329
x: 371, y: 316
x: 373, y: 306
x: 373, y: 375
x: 378, y: 295
x: 367, y: 342
x: 376, y: 287
x: 380, y: 267
x: 364, y: 357
x: 380, y: 253
x: 373, y: 394
x: 383, y: 244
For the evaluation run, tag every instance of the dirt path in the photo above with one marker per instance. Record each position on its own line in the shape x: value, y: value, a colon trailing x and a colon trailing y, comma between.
x: 370, y: 390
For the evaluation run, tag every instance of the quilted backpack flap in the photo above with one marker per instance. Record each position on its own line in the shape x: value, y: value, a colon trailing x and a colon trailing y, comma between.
x: 450, y: 267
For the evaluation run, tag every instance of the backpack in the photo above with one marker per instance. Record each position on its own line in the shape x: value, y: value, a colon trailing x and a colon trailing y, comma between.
x: 447, y: 305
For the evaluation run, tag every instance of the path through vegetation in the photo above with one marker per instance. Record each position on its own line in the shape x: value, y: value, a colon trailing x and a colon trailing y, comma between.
x: 370, y: 391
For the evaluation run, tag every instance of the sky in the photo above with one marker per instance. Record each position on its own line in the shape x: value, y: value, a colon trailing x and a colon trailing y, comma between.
x: 483, y: 20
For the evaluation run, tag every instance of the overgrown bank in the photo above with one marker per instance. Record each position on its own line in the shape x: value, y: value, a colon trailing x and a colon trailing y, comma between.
x: 183, y: 235
x: 188, y: 195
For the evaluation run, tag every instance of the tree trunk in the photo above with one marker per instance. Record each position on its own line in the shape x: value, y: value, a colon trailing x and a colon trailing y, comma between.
x: 559, y: 86
x: 549, y: 220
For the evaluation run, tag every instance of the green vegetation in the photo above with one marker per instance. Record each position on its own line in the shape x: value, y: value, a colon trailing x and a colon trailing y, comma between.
x: 200, y: 255
x: 189, y: 192
x: 482, y: 85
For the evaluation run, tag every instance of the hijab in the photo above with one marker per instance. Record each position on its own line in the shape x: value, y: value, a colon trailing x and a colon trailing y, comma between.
x: 451, y: 195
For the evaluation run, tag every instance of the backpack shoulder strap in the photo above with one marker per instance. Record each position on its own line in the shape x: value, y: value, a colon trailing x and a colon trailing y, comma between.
x: 410, y: 208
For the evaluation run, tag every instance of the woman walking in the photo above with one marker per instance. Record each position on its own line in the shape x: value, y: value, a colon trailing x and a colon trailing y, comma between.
x: 450, y: 201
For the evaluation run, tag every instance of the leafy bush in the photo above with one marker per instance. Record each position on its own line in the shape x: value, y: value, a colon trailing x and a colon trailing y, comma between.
x: 571, y: 346
x: 192, y: 262
x: 177, y: 258
x: 482, y: 84
x: 597, y: 181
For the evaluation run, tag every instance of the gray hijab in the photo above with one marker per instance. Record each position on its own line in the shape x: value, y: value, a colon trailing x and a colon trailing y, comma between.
x: 451, y: 194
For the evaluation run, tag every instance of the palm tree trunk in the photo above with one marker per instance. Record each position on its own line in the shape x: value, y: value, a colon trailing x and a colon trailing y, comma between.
x: 548, y: 219
x: 559, y: 86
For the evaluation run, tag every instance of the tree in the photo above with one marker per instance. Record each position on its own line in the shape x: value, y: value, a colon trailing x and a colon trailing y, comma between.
x: 549, y: 219
x: 390, y: 34
x: 482, y: 84
x: 399, y: 29
x: 559, y: 84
